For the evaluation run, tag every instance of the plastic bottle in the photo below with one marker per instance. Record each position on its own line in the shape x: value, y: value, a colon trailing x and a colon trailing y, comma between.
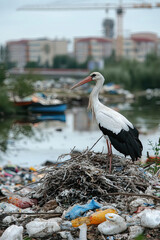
x: 95, y: 218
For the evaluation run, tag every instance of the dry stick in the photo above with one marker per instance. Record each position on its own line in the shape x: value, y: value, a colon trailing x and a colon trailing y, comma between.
x: 34, y: 214
x: 135, y: 194
x: 94, y: 144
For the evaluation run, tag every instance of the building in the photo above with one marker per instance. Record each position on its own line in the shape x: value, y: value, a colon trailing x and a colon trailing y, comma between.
x: 92, y: 48
x: 41, y: 51
x: 139, y: 45
x: 18, y: 52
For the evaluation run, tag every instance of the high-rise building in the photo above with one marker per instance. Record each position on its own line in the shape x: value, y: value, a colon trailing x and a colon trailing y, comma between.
x: 41, y: 51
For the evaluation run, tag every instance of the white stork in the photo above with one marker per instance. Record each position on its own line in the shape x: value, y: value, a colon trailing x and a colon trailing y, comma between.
x: 116, y: 129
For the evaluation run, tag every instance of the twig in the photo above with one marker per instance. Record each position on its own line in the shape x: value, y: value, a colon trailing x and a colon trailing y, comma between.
x: 34, y: 214
x: 135, y: 194
x: 95, y: 144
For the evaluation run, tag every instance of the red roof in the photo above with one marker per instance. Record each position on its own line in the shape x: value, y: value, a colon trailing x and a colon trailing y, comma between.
x: 102, y: 40
x: 143, y: 39
x: 23, y: 41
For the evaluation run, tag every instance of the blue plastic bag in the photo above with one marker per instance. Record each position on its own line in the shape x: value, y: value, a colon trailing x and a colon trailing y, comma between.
x: 78, y: 210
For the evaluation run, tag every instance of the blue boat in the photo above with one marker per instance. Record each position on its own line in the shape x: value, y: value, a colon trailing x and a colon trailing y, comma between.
x: 50, y: 108
x: 57, y: 117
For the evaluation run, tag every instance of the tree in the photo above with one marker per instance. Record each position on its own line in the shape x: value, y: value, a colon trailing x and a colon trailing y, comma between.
x: 32, y: 64
x: 23, y: 86
x: 2, y: 73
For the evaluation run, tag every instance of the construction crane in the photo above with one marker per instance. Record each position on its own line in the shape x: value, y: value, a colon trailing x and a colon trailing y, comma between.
x: 120, y: 8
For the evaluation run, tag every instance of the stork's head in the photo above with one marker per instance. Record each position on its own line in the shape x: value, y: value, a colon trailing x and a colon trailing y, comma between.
x: 95, y: 76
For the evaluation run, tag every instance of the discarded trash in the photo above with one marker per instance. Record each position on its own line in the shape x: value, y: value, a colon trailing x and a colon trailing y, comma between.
x: 113, y: 225
x: 95, y: 218
x: 41, y: 227
x: 134, y: 231
x: 75, y: 182
x: 13, y: 233
x: 21, y: 202
x: 140, y: 202
x: 150, y: 218
x: 9, y: 219
x: 9, y: 208
x: 78, y: 210
x: 83, y: 232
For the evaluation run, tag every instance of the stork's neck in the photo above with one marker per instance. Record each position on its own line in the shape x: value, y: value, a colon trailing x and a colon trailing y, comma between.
x: 95, y: 92
x: 93, y: 99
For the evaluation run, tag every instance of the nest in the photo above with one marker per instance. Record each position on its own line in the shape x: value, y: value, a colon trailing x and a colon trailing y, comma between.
x: 85, y: 176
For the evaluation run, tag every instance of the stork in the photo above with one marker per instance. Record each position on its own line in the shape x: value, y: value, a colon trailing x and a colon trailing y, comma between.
x: 117, y: 130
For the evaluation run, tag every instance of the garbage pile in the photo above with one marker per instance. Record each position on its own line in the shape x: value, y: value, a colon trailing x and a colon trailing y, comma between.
x: 79, y: 199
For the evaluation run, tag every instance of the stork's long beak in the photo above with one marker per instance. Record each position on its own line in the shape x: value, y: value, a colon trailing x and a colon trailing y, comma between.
x: 87, y: 79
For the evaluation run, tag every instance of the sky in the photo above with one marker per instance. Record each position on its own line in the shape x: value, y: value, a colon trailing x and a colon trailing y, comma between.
x: 15, y: 25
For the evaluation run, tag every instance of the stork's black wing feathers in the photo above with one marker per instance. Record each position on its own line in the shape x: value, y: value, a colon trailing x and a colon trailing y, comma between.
x: 126, y: 142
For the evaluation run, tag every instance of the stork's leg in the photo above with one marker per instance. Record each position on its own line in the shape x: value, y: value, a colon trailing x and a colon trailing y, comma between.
x: 108, y: 153
x: 110, y: 158
x: 109, y: 147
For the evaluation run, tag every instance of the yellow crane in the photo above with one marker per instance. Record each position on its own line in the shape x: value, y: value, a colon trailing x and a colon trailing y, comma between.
x: 120, y: 8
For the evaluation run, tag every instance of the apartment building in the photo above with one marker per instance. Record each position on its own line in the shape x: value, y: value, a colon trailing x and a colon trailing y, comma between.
x: 139, y: 45
x: 41, y: 51
x: 18, y: 52
x: 92, y: 47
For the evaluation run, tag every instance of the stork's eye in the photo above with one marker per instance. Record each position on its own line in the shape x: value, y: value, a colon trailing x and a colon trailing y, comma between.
x: 93, y: 75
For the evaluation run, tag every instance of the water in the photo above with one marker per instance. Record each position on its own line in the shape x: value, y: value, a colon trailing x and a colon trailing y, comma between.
x: 29, y: 144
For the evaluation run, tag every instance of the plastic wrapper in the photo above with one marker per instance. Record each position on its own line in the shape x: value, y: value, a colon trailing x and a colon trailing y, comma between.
x: 21, y: 202
x: 9, y: 208
x: 150, y: 218
x: 41, y: 227
x: 13, y: 232
x: 114, y: 224
x: 78, y: 210
x: 134, y: 231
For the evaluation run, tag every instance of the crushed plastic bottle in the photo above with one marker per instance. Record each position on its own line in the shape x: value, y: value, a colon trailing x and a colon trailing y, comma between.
x: 13, y: 232
x: 114, y: 224
x: 95, y: 218
x: 21, y: 202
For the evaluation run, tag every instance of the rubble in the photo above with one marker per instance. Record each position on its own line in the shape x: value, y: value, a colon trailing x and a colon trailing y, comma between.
x: 81, y: 188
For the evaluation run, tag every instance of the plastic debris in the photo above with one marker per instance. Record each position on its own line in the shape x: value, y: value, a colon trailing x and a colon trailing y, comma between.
x: 143, y: 202
x: 150, y: 218
x: 41, y: 227
x: 9, y: 219
x: 13, y: 233
x: 21, y: 202
x: 114, y: 224
x: 78, y: 210
x: 135, y: 231
x: 83, y: 232
x: 95, y: 218
x: 9, y: 208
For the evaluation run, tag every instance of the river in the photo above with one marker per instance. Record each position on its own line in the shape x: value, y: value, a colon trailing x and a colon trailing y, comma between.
x: 27, y: 144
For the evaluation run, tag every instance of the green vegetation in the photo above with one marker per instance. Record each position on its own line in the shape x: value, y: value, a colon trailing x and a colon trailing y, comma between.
x: 133, y: 75
x: 65, y: 61
x: 2, y: 73
x: 23, y: 86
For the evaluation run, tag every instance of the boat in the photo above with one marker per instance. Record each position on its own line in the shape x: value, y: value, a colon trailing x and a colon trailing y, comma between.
x: 50, y: 108
x: 40, y: 103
